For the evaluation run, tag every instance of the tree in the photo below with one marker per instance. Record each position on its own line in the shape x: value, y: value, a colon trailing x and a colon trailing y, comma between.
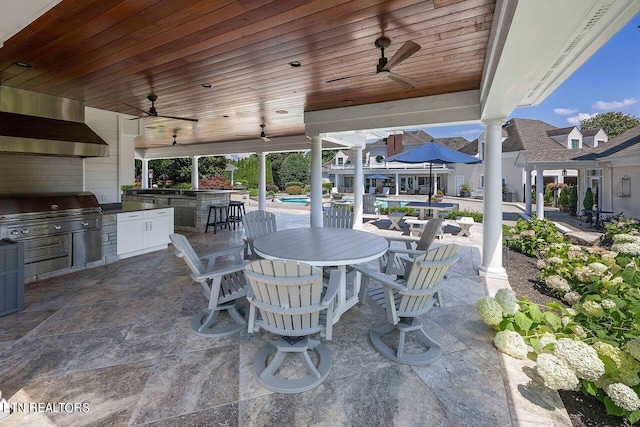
x: 295, y: 168
x: 613, y: 123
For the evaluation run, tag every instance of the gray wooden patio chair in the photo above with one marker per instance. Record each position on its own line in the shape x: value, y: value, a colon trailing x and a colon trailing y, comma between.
x: 222, y: 287
x: 338, y: 217
x: 405, y: 300
x: 290, y: 298
x: 256, y: 224
x: 369, y: 206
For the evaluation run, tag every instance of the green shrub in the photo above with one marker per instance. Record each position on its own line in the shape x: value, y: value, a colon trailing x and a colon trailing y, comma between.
x: 253, y: 192
x: 588, y: 199
x: 181, y: 186
x: 408, y: 211
x: 530, y: 237
x: 477, y: 216
x: 573, y: 197
x: 327, y: 186
x: 563, y: 198
x: 294, y: 190
x: 622, y: 225
x: 293, y: 183
x: 272, y: 187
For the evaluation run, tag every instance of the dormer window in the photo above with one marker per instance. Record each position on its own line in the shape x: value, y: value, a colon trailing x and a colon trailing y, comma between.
x: 340, y: 160
x: 599, y: 142
x: 574, y: 143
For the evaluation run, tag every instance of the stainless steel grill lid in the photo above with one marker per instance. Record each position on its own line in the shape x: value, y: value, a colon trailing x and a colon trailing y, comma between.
x: 15, y: 204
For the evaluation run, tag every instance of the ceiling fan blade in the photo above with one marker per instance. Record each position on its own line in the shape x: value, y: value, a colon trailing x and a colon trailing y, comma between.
x: 341, y: 79
x: 265, y: 139
x: 139, y: 109
x: 407, y: 49
x: 406, y: 82
x: 178, y: 118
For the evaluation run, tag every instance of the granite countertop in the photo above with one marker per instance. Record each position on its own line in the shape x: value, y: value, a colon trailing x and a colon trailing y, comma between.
x: 116, y: 208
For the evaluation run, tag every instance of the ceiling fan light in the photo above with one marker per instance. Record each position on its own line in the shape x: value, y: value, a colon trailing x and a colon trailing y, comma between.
x: 383, y: 73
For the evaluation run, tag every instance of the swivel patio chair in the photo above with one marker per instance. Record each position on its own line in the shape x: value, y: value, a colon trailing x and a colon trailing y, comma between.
x: 405, y: 300
x: 256, y: 224
x: 290, y: 297
x: 222, y: 287
x: 369, y: 206
x: 338, y: 217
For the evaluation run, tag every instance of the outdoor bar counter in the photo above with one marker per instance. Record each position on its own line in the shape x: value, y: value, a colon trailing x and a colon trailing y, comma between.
x: 191, y: 207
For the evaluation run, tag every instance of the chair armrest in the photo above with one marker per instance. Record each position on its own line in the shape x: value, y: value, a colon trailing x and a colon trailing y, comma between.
x: 402, y: 239
x: 332, y: 289
x: 210, y: 275
x: 381, y: 278
x: 228, y: 251
x: 413, y: 252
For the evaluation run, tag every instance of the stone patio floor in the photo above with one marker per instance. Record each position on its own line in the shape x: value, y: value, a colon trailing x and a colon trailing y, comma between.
x: 118, y: 337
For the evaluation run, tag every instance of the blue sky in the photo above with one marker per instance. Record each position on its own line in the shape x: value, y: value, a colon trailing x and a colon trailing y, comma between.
x: 608, y: 81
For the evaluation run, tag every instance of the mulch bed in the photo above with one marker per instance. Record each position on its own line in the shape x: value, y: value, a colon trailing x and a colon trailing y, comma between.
x: 584, y: 411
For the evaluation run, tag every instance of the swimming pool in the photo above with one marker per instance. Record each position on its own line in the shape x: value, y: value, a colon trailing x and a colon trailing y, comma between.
x: 295, y: 200
x: 381, y: 203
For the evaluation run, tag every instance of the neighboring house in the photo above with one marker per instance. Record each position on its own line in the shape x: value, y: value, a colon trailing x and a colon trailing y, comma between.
x: 526, y: 137
x: 403, y: 178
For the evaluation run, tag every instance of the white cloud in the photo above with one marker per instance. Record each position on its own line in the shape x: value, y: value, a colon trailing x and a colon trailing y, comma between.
x: 575, y: 120
x: 564, y: 111
x: 614, y: 105
x: 470, y: 132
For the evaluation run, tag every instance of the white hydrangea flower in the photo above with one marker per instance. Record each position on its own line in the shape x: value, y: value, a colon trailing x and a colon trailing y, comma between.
x: 558, y: 283
x: 566, y: 320
x: 511, y: 343
x: 583, y: 273
x: 542, y: 264
x: 580, y: 357
x: 593, y: 309
x: 633, y: 347
x: 623, y: 396
x: 627, y: 248
x: 508, y: 301
x: 598, y: 268
x: 489, y: 310
x: 572, y: 297
x: 608, y: 304
x: 609, y: 258
x: 575, y: 247
x: 576, y: 255
x: 626, y: 238
x: 579, y: 331
x: 556, y: 373
x: 571, y: 311
x: 556, y: 260
x: 548, y: 338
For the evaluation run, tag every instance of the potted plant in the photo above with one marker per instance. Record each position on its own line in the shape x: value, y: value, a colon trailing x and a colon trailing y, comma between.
x: 337, y: 196
x: 504, y: 193
x: 573, y: 201
x: 587, y: 203
x: 439, y: 196
x: 563, y: 200
x: 465, y: 191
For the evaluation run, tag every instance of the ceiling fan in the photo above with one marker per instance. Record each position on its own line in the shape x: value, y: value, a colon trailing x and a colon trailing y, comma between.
x: 263, y: 136
x: 154, y: 113
x: 174, y: 139
x: 385, y: 65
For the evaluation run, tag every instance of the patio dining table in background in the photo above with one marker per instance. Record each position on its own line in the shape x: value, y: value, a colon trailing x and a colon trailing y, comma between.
x: 424, y: 206
x: 325, y: 247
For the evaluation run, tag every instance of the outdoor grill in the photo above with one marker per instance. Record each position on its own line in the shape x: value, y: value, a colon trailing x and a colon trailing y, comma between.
x: 59, y: 230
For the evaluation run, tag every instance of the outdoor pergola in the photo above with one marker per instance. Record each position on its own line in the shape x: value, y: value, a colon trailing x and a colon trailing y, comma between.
x: 533, y: 48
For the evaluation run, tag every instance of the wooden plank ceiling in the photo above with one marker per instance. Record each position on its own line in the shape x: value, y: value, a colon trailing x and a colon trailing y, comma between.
x: 110, y: 53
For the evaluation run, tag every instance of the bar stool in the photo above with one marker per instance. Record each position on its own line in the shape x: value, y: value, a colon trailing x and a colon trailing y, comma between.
x: 236, y: 212
x: 220, y: 218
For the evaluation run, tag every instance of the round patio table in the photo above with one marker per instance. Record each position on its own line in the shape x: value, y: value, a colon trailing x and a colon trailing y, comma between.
x: 325, y: 246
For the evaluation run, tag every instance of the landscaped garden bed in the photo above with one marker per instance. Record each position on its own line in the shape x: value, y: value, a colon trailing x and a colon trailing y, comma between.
x: 578, y: 315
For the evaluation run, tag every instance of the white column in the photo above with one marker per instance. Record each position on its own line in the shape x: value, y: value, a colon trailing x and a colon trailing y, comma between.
x: 539, y: 194
x: 397, y: 184
x: 233, y: 182
x: 492, y: 224
x: 145, y: 173
x: 262, y: 182
x: 358, y: 188
x: 527, y: 191
x: 316, y: 181
x: 195, y: 175
x: 435, y: 183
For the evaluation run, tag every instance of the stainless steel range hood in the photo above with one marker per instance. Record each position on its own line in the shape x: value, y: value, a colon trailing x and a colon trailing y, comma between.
x: 35, y: 123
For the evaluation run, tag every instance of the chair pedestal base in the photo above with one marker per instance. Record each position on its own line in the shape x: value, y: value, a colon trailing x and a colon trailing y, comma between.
x: 424, y: 358
x: 203, y: 323
x: 266, y: 374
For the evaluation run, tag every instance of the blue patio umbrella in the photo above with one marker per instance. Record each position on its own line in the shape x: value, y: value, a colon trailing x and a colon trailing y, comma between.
x: 378, y: 176
x: 432, y: 152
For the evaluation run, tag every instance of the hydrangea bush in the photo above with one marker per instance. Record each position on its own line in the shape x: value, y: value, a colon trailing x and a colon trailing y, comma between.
x: 590, y: 340
x: 530, y: 237
x: 622, y: 226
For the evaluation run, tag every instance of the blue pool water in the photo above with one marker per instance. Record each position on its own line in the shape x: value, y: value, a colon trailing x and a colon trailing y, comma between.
x: 296, y: 200
x: 380, y: 203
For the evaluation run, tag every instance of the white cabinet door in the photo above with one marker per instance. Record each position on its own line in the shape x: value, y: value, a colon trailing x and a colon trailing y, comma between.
x: 132, y: 235
x: 160, y: 226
